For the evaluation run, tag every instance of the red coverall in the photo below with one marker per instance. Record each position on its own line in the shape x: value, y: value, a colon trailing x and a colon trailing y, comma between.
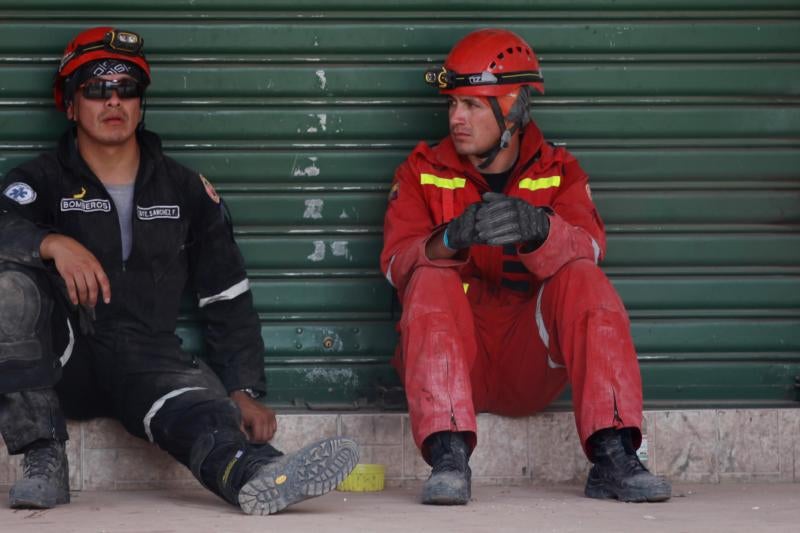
x: 500, y: 330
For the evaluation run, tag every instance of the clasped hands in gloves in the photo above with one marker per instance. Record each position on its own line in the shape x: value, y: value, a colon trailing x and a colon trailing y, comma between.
x: 498, y: 220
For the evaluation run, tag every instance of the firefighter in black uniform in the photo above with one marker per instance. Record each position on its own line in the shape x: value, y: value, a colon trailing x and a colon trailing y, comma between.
x: 98, y: 240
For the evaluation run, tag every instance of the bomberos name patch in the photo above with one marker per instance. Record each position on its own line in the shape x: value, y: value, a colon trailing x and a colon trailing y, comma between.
x: 87, y: 206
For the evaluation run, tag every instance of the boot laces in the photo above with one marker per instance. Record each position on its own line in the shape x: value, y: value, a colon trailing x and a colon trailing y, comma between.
x: 632, y: 465
x: 449, y: 454
x: 42, y: 461
x: 449, y: 462
x: 623, y: 458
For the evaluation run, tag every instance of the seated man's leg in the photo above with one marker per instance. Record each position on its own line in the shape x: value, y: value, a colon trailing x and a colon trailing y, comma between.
x: 30, y: 417
x: 190, y: 415
x: 588, y: 332
x: 434, y: 361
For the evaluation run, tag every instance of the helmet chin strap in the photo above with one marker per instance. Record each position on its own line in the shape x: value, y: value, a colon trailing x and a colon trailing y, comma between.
x: 140, y: 126
x: 505, y: 138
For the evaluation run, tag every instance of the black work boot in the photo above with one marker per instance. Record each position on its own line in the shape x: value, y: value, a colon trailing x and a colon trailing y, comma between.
x: 618, y: 473
x: 261, y: 480
x: 45, y: 479
x: 450, y: 479
x: 313, y: 471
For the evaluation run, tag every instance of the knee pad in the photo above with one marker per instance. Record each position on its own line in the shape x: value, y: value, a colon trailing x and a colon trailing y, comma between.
x: 184, y: 420
x: 21, y: 308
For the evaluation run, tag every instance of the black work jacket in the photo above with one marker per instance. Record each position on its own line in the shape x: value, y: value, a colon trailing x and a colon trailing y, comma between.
x: 180, y: 232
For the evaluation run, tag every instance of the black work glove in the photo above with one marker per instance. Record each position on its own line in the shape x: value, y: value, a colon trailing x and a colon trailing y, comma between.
x: 461, y: 232
x: 505, y: 220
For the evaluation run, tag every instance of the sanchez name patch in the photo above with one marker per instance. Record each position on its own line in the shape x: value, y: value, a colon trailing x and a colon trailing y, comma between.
x: 87, y: 206
x: 158, y: 211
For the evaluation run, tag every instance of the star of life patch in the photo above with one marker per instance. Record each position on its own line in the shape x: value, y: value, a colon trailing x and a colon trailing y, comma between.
x: 20, y: 192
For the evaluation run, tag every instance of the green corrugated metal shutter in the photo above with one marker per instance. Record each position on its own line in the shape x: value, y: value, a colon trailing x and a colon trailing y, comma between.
x: 684, y: 112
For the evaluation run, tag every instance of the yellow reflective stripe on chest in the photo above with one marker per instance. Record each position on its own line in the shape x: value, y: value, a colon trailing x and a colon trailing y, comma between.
x: 540, y: 183
x: 442, y: 183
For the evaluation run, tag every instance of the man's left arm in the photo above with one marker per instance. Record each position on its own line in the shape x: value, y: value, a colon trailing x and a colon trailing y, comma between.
x: 576, y: 230
x: 234, y: 346
x: 547, y: 237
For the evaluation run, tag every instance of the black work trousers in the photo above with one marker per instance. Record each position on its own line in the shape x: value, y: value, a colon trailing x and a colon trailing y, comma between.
x: 157, y: 390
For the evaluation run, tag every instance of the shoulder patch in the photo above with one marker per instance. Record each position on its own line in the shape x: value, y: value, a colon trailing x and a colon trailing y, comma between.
x: 20, y: 192
x: 394, y: 192
x: 210, y: 191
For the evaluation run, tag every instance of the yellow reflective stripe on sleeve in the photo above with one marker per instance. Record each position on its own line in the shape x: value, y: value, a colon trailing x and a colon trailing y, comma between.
x: 540, y: 183
x: 442, y: 183
x: 466, y: 287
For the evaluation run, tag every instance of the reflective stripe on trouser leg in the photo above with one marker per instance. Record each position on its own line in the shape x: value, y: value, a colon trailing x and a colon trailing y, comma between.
x: 158, y: 404
x: 588, y: 318
x: 70, y: 345
x: 543, y: 334
x: 389, y: 272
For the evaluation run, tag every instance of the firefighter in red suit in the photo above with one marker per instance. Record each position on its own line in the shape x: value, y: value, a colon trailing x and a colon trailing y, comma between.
x: 492, y: 241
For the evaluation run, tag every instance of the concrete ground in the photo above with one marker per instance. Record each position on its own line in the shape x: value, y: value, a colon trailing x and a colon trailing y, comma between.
x: 750, y: 508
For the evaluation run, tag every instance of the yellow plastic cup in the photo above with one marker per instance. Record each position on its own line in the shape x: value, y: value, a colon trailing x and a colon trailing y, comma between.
x: 364, y: 478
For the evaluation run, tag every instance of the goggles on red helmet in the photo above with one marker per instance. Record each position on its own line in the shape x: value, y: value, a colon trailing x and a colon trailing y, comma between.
x: 445, y: 79
x: 118, y: 42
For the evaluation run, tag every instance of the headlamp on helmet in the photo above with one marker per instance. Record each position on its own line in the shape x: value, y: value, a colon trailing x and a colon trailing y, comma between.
x: 125, y: 42
x: 444, y: 79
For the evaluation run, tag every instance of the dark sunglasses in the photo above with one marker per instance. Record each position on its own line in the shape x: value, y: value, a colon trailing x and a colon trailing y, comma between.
x: 102, y: 89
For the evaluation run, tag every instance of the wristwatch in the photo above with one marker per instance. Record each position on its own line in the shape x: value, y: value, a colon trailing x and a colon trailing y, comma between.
x: 250, y: 392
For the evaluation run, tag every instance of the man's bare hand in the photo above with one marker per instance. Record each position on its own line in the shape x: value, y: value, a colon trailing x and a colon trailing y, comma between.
x: 79, y: 268
x: 258, y: 420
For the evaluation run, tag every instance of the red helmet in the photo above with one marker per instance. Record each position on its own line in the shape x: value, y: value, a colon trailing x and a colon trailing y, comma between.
x: 488, y: 62
x: 102, y: 42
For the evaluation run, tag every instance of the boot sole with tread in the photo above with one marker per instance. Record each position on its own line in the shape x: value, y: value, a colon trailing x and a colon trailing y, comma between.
x: 313, y: 471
